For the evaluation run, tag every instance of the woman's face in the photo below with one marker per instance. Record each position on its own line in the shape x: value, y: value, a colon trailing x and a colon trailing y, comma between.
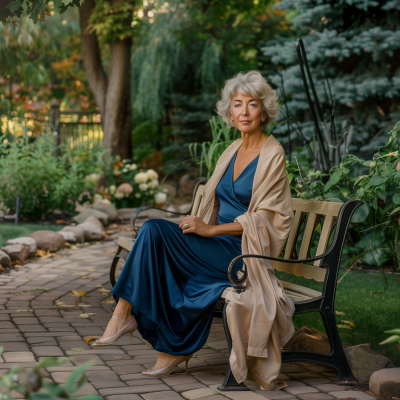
x: 246, y: 112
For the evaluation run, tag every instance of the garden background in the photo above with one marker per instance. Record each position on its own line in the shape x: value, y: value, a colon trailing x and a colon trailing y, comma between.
x: 114, y: 102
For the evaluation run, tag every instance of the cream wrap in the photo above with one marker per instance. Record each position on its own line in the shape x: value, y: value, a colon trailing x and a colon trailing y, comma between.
x: 259, y: 318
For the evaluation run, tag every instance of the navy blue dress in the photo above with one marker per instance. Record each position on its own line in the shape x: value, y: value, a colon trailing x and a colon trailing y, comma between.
x: 173, y: 279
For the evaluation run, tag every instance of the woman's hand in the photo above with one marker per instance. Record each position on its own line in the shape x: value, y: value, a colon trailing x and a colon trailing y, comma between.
x: 191, y: 224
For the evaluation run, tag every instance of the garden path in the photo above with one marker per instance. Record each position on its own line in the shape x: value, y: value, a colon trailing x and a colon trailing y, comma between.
x: 41, y: 316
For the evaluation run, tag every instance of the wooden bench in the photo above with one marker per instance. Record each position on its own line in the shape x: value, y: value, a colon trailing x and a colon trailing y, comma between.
x: 334, y: 219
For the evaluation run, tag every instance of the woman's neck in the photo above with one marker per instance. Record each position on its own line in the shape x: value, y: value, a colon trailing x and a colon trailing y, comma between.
x: 252, y: 141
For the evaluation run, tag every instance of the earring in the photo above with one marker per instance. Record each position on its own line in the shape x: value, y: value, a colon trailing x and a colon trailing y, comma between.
x: 231, y: 119
x: 263, y: 119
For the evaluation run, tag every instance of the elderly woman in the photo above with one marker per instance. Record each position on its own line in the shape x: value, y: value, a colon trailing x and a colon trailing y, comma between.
x: 175, y: 273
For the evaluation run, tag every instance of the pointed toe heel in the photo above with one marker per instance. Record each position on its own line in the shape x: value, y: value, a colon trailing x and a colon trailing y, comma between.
x: 169, y: 368
x: 130, y: 327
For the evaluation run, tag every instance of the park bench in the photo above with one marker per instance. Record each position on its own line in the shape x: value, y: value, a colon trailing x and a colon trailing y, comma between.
x: 333, y: 220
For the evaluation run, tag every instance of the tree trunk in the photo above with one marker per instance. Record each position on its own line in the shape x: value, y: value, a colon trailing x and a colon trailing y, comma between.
x: 112, y: 95
x: 117, y: 122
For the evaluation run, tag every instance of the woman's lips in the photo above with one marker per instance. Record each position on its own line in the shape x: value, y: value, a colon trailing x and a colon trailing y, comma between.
x: 245, y: 122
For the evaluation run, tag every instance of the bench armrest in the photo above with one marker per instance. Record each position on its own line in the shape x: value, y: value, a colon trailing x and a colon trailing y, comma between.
x: 144, y: 208
x: 241, y: 280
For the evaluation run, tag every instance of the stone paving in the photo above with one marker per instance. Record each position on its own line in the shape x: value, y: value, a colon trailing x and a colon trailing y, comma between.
x: 41, y: 316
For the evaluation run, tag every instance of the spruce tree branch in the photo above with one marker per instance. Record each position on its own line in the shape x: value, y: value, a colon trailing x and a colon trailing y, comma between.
x: 92, y: 58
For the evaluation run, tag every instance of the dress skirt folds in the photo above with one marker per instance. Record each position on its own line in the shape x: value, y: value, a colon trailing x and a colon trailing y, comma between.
x: 173, y: 280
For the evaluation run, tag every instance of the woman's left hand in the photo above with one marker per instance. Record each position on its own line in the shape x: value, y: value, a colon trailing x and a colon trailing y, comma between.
x: 191, y: 224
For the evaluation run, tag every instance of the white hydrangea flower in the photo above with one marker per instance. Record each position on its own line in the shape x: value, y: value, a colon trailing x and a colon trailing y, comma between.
x: 116, y: 172
x: 112, y: 189
x: 119, y: 195
x: 141, y: 177
x: 152, y: 174
x: 133, y: 167
x: 160, y: 197
x: 153, y: 184
x: 93, y: 177
x: 143, y: 186
x: 97, y: 197
x: 125, y: 170
x: 138, y: 195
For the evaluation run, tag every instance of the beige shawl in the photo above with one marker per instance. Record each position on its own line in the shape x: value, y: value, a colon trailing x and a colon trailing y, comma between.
x: 259, y: 318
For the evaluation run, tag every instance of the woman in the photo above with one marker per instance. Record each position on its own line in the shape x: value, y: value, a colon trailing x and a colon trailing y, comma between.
x: 175, y: 273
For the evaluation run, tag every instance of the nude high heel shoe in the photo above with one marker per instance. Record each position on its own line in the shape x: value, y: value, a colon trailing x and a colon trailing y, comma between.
x: 168, y: 369
x: 130, y: 327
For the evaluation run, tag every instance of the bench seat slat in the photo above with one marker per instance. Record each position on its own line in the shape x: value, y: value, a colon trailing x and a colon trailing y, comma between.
x: 302, y: 290
x: 298, y: 269
x: 126, y: 243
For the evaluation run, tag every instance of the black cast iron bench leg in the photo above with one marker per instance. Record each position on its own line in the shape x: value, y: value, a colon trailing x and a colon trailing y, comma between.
x: 230, y: 383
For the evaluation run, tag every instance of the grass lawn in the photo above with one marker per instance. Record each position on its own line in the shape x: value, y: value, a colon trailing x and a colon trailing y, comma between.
x: 362, y: 299
x: 9, y: 231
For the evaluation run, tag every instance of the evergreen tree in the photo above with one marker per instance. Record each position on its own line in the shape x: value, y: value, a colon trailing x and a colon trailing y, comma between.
x: 355, y: 44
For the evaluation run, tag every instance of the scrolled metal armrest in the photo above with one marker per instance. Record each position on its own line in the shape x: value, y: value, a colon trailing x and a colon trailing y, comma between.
x: 243, y: 279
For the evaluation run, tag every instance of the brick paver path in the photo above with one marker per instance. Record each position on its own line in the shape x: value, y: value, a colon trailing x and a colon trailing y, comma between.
x: 38, y: 323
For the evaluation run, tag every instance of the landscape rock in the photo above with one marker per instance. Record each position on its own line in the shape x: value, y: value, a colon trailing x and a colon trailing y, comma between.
x: 28, y: 242
x: 68, y: 236
x: 187, y: 185
x: 309, y: 339
x: 125, y: 214
x: 185, y: 208
x: 5, y: 260
x: 107, y: 208
x: 80, y: 235
x: 88, y: 212
x: 364, y: 361
x: 48, y: 240
x: 95, y: 221
x: 385, y: 383
x: 17, y: 252
x: 91, y: 231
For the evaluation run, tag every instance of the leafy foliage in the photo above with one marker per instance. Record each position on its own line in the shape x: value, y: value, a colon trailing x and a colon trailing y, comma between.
x: 45, y: 181
x: 30, y: 383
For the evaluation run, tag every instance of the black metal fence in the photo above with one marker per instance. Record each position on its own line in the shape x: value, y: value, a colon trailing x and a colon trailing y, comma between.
x: 76, y: 129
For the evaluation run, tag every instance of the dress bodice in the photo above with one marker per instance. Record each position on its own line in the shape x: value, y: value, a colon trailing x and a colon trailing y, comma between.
x: 234, y: 197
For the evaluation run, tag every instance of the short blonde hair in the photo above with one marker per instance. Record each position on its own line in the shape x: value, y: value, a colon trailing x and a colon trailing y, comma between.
x: 252, y: 84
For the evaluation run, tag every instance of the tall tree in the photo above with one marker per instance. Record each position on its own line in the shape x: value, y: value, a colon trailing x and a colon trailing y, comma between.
x: 105, y: 26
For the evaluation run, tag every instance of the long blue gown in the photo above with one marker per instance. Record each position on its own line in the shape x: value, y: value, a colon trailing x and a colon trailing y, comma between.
x: 173, y: 280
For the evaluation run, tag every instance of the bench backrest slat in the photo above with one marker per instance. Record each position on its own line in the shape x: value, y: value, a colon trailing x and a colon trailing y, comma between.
x: 198, y: 197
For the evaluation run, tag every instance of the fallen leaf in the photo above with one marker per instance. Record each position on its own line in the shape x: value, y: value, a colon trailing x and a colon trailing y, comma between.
x: 122, y: 373
x: 91, y: 269
x: 59, y: 221
x: 77, y: 349
x: 86, y: 315
x: 17, y: 266
x: 15, y: 262
x: 84, y: 305
x: 127, y: 229
x: 339, y: 313
x: 99, y: 285
x: 29, y: 279
x: 108, y: 301
x: 89, y: 339
x: 24, y: 310
x: 349, y: 322
x: 1, y: 267
x: 111, y: 251
x: 344, y: 326
x: 105, y: 294
x: 105, y: 290
x: 76, y: 293
x: 119, y: 358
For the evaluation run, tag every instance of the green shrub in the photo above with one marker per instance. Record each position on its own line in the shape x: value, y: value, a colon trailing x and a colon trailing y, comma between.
x: 45, y: 181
